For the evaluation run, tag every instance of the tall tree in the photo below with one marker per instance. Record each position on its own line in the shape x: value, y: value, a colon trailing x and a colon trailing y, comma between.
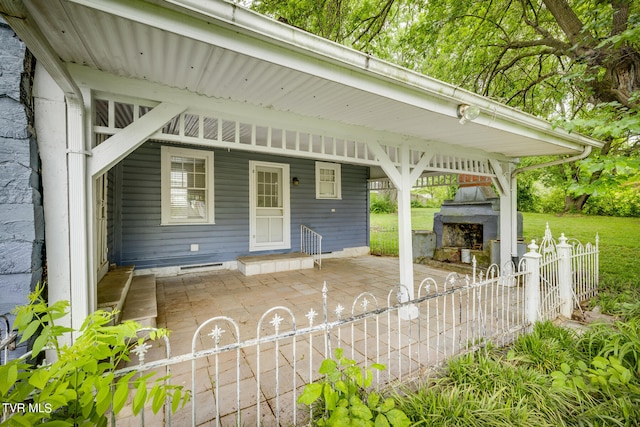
x: 576, y: 62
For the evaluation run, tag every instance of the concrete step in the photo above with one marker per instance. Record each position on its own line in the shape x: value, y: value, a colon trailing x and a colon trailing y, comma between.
x: 141, y: 304
x: 264, y: 264
x: 113, y: 288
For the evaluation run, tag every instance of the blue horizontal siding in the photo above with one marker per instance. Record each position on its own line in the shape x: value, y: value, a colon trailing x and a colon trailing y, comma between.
x: 145, y: 243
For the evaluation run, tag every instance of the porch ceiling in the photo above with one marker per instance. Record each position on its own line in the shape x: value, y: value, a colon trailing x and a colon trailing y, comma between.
x: 222, y: 51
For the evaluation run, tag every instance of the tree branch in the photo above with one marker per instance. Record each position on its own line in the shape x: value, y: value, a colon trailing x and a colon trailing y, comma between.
x: 620, y: 16
x: 569, y: 22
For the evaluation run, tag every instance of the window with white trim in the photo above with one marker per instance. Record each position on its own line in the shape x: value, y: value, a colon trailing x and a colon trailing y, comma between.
x: 328, y: 181
x: 187, y: 186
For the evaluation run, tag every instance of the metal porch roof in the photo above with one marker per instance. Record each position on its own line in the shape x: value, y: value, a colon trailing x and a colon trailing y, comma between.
x: 218, y: 49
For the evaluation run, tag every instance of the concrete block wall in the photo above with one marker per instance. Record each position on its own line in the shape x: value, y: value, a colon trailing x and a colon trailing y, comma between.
x: 21, y: 212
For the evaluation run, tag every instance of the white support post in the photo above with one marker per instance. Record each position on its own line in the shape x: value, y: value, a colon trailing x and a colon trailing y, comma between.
x: 513, y: 211
x: 403, y: 180
x: 405, y: 247
x: 532, y: 286
x: 508, y: 215
x: 79, y: 248
x: 565, y: 282
x: 51, y: 130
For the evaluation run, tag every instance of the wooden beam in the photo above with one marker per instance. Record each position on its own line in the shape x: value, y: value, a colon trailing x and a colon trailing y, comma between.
x: 118, y: 146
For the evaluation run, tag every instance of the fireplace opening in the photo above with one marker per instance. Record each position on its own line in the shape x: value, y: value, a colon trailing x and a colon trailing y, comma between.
x: 462, y: 235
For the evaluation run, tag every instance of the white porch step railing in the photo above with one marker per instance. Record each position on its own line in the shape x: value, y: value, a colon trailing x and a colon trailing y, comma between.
x: 311, y: 244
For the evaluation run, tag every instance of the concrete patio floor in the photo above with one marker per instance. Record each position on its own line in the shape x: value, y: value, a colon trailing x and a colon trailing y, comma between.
x: 189, y: 300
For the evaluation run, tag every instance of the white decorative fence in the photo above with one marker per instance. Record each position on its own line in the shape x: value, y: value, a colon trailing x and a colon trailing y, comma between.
x: 568, y: 274
x: 243, y: 375
x: 256, y: 380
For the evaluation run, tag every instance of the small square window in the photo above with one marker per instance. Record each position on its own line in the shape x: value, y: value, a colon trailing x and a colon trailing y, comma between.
x: 187, y: 186
x: 328, y: 181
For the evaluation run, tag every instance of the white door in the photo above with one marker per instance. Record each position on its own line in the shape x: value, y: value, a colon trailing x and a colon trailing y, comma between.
x: 269, y: 205
x: 102, y: 261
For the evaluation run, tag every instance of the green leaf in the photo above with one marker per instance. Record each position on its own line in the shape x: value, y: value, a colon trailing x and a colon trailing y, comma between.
x: 387, y: 405
x: 341, y: 386
x: 381, y: 421
x: 39, y: 344
x: 565, y: 368
x: 103, y: 399
x: 140, y: 397
x: 379, y: 366
x: 360, y: 410
x: 8, y: 377
x: 328, y: 366
x: 397, y: 418
x: 122, y: 393
x: 39, y: 378
x: 330, y: 397
x: 373, y: 399
x: 57, y: 423
x: 600, y: 362
x: 30, y: 330
x: 158, y: 399
x: 311, y: 393
x: 175, y: 400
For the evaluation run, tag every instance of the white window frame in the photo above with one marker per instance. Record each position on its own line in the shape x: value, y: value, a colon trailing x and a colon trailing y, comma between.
x: 166, y: 152
x: 336, y: 167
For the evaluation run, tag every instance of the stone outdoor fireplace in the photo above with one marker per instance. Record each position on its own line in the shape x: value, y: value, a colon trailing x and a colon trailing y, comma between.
x: 468, y: 223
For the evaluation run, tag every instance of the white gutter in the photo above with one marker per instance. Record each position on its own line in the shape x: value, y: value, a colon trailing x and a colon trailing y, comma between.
x: 585, y: 153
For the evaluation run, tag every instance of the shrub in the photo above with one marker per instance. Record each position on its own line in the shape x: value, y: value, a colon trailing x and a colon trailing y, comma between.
x: 346, y: 399
x: 79, y: 386
x: 381, y: 204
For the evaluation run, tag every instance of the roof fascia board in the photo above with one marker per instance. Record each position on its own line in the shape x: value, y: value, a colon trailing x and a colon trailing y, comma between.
x: 255, y: 35
x: 150, y: 91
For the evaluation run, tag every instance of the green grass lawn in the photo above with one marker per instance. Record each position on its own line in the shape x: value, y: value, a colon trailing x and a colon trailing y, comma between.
x: 619, y: 237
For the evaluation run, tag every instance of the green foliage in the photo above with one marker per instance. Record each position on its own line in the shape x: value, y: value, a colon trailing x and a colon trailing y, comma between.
x: 623, y: 201
x: 546, y: 348
x: 345, y: 397
x: 551, y: 377
x: 381, y: 204
x: 79, y: 387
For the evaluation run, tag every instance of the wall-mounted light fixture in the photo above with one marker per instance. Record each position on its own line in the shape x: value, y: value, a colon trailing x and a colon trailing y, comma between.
x: 296, y: 181
x: 467, y: 113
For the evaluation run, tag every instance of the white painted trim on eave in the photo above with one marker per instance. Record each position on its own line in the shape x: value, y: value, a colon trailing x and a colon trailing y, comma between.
x: 127, y: 87
x: 248, y: 33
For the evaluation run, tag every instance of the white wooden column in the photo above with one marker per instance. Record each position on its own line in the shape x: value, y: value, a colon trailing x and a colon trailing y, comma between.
x: 506, y: 185
x: 405, y: 246
x: 49, y: 106
x: 81, y: 281
x: 403, y: 178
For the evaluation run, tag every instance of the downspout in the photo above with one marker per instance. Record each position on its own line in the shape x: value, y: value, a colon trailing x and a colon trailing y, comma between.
x: 585, y: 153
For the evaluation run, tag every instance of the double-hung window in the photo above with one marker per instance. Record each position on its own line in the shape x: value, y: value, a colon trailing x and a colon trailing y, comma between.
x: 187, y: 186
x: 328, y: 181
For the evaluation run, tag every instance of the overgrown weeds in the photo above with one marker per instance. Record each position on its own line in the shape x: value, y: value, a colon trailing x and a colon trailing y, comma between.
x: 550, y: 377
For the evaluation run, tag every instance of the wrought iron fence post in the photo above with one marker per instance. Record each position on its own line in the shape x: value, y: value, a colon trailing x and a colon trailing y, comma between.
x: 565, y: 282
x: 532, y: 287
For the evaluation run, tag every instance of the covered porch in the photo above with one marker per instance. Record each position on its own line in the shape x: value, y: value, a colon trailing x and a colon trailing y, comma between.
x: 277, y: 370
x: 139, y: 80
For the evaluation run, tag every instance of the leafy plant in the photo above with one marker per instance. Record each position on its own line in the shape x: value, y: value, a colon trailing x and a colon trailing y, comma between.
x: 346, y: 399
x: 381, y: 204
x: 79, y: 386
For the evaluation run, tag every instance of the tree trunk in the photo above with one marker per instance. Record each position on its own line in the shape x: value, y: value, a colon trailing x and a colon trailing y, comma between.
x: 575, y: 204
